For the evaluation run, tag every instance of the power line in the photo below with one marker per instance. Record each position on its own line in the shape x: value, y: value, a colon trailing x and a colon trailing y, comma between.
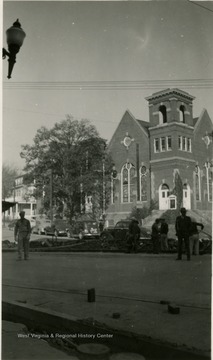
x: 109, y: 85
x: 204, y: 7
x: 50, y: 114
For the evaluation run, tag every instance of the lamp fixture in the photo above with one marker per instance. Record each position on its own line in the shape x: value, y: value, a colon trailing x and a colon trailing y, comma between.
x: 15, y: 37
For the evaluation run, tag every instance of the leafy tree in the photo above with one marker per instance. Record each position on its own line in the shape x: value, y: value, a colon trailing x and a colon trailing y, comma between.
x: 142, y: 213
x: 9, y: 173
x: 178, y: 190
x: 71, y: 155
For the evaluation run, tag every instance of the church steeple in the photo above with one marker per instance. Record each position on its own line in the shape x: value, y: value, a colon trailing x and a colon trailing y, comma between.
x: 170, y: 105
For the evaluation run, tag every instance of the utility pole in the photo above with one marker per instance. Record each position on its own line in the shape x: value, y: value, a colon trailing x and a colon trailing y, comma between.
x: 51, y: 195
x: 14, y: 199
x: 104, y: 190
x: 81, y: 193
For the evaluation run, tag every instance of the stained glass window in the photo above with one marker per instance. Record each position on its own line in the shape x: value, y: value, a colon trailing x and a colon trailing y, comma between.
x: 143, y: 183
x: 127, y: 182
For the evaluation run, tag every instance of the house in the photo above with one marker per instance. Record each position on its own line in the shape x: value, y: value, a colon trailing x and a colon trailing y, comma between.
x: 148, y: 156
x: 22, y: 195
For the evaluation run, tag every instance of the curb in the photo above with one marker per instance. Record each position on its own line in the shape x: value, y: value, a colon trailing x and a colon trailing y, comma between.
x: 55, y: 322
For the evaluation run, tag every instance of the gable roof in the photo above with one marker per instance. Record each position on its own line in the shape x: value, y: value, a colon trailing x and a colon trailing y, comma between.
x: 144, y: 124
x: 198, y: 120
x: 195, y: 120
x: 140, y: 124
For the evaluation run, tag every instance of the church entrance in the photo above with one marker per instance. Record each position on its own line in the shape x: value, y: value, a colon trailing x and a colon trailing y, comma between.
x: 172, y: 202
x: 163, y: 197
x: 186, y: 197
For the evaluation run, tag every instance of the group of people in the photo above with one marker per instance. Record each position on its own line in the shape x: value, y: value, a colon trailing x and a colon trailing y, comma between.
x: 186, y: 231
x: 133, y: 235
x: 160, y: 231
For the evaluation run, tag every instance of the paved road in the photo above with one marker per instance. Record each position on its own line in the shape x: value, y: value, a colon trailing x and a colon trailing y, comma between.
x: 131, y: 284
x: 140, y: 276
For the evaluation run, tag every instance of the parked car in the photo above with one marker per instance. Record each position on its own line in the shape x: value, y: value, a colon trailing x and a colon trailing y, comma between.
x: 11, y: 225
x: 119, y: 233
x: 41, y: 224
x: 57, y: 228
x: 32, y: 220
x: 84, y: 229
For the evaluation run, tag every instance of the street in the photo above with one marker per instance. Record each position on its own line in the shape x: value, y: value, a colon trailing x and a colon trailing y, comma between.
x: 131, y: 284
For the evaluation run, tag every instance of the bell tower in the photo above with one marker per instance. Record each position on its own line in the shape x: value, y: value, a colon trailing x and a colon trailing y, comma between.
x: 170, y: 106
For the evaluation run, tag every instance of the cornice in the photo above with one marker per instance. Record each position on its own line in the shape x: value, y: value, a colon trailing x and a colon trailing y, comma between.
x: 172, y: 159
x: 169, y: 92
x: 172, y: 124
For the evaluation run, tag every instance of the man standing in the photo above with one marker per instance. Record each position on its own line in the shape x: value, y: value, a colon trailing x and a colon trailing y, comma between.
x: 134, y: 234
x: 194, y: 237
x: 156, y: 236
x: 163, y: 235
x: 22, y: 235
x: 182, y: 227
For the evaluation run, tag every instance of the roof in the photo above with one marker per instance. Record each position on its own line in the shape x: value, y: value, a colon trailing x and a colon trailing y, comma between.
x: 195, y: 120
x: 144, y: 124
x: 6, y: 205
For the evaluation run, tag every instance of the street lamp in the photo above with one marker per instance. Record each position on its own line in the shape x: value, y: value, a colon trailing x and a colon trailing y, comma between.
x: 15, y: 37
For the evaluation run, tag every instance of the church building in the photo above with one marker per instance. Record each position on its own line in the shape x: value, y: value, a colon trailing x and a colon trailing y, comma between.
x: 148, y: 155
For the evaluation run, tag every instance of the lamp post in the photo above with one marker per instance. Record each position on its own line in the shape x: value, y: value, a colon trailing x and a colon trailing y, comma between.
x: 81, y: 193
x: 15, y: 37
x: 104, y: 189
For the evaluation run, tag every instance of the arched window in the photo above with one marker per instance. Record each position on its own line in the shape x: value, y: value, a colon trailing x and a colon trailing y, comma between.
x: 127, y: 182
x: 113, y: 180
x: 182, y: 114
x: 209, y: 179
x: 162, y: 114
x: 197, y: 183
x: 143, y: 183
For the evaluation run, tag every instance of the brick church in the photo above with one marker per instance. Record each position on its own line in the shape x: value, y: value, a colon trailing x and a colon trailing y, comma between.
x: 148, y: 155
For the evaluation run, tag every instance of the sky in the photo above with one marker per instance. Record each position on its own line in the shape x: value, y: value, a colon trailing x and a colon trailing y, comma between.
x: 95, y: 60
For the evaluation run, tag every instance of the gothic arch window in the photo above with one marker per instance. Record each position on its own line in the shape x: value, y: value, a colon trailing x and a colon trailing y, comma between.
x: 209, y: 180
x: 112, y: 191
x: 127, y: 182
x: 197, y: 183
x: 143, y: 183
x: 162, y: 115
x: 113, y: 181
x: 182, y: 114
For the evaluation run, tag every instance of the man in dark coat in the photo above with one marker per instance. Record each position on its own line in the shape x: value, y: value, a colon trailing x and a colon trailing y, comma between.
x: 22, y: 233
x: 164, y: 235
x: 156, y: 236
x: 182, y: 227
x: 134, y: 234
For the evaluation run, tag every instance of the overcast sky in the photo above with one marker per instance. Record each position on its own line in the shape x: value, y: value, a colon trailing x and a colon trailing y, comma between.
x: 113, y: 41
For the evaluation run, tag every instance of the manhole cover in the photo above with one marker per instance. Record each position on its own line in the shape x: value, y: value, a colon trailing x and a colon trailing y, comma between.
x: 127, y: 356
x: 93, y: 351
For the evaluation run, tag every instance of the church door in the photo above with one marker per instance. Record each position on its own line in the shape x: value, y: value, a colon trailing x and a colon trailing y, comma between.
x: 186, y: 197
x: 164, y: 197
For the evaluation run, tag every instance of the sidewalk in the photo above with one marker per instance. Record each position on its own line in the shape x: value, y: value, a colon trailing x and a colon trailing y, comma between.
x: 26, y: 348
